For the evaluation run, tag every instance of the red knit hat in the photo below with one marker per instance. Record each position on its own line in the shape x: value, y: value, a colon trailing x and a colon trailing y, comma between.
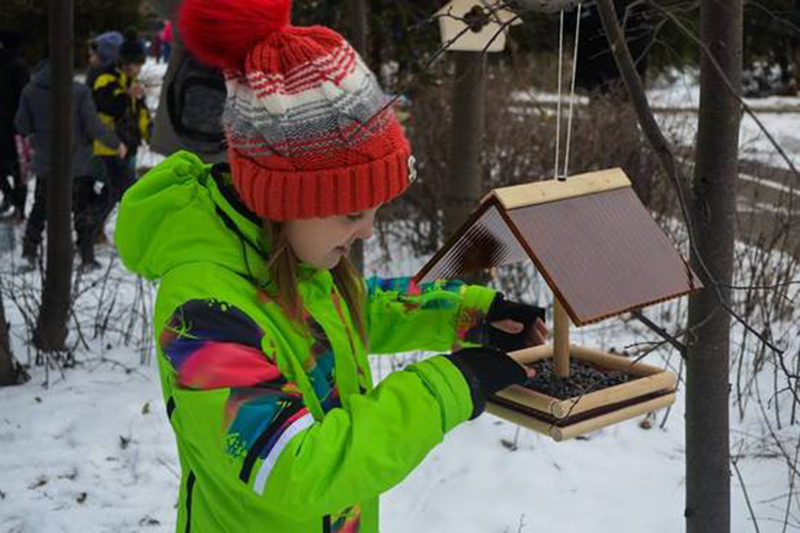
x: 310, y: 133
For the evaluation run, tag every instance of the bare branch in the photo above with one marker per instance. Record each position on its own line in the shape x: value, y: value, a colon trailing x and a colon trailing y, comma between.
x: 734, y: 462
x: 678, y: 345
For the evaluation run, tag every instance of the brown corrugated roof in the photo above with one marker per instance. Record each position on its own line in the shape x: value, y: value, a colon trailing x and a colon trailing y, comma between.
x: 601, y: 253
x: 483, y: 242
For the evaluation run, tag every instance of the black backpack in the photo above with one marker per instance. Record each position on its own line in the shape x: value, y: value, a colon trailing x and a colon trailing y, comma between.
x: 196, y: 99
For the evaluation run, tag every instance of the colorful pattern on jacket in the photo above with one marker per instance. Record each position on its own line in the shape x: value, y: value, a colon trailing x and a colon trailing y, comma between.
x: 215, y: 345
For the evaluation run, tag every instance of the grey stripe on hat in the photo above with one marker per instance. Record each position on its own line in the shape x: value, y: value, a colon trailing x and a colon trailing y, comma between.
x: 361, y: 104
x: 316, y: 119
x: 257, y: 146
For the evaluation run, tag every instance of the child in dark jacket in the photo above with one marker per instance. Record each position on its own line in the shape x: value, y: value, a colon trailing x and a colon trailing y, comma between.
x: 263, y: 326
x: 33, y: 119
x: 120, y: 100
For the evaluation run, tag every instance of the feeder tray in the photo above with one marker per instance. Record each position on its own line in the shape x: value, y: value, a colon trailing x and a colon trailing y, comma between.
x: 648, y: 389
x: 601, y: 254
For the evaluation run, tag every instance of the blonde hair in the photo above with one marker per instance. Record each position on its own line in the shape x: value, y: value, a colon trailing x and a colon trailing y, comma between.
x: 282, y: 267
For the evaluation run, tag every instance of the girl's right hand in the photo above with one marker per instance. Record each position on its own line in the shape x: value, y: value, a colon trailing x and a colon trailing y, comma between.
x: 487, y: 370
x: 494, y: 369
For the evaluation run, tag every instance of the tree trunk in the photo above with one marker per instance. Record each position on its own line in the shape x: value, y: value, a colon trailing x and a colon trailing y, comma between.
x: 358, y: 37
x: 464, y: 187
x: 51, y: 326
x: 713, y: 218
x: 359, y: 29
x: 7, y: 376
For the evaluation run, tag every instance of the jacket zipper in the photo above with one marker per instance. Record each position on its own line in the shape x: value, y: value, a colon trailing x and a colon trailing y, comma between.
x: 170, y: 408
x: 189, y: 490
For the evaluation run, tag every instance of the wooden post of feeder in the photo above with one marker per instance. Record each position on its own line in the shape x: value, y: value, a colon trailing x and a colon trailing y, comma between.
x: 560, y: 339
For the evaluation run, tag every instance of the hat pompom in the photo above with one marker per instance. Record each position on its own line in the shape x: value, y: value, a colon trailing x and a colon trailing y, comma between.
x: 221, y: 32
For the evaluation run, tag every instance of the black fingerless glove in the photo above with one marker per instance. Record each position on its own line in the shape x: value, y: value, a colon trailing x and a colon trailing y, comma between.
x: 502, y: 309
x: 487, y: 371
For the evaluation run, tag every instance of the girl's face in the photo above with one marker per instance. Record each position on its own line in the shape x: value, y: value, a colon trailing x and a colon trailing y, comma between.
x: 322, y: 242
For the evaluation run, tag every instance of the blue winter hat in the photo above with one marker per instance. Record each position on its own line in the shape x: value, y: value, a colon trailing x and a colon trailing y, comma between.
x: 106, y: 46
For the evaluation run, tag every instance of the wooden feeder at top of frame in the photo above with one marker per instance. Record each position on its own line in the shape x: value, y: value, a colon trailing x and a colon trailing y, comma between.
x: 475, y: 25
x: 601, y: 254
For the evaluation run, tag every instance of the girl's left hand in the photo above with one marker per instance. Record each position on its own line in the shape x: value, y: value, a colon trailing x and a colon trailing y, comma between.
x: 537, y: 335
x: 515, y: 325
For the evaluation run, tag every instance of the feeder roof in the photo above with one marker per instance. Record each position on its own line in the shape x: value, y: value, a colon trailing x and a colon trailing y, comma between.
x: 595, y: 244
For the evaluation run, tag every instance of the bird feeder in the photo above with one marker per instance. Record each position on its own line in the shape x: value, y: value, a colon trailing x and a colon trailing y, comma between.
x: 601, y: 254
x: 475, y: 25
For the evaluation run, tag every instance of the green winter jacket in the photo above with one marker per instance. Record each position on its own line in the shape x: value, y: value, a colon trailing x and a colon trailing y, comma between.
x: 280, y: 430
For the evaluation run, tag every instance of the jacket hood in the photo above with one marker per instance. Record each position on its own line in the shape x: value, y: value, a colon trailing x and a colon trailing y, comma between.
x: 41, y: 75
x: 183, y: 211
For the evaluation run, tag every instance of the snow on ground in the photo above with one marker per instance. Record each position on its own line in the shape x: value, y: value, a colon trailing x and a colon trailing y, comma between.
x: 778, y: 116
x: 90, y: 450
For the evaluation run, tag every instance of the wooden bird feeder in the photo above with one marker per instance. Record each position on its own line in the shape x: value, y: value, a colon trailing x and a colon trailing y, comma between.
x: 601, y: 254
x: 475, y: 25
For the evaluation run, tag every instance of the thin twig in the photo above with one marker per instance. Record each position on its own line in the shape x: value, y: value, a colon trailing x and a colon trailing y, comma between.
x: 735, y: 464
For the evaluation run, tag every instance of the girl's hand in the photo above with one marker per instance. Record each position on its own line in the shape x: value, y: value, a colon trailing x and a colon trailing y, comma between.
x: 491, y: 369
x: 537, y: 334
x: 515, y: 325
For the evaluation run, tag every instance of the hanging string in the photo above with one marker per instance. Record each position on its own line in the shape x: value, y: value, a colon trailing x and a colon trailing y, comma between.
x: 556, y: 174
x: 572, y: 90
x: 558, y: 104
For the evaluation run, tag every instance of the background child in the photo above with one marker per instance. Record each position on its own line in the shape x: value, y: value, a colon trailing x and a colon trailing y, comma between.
x: 120, y: 100
x: 33, y: 118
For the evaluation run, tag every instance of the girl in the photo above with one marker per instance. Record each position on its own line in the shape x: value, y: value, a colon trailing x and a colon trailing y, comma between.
x: 263, y: 326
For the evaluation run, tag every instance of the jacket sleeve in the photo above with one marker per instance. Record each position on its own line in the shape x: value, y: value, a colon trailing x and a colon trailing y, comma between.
x: 92, y: 126
x: 246, y: 429
x: 109, y: 96
x: 23, y: 121
x: 437, y: 316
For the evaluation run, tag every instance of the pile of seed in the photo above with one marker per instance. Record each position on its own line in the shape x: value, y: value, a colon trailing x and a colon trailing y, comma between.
x: 583, y: 379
